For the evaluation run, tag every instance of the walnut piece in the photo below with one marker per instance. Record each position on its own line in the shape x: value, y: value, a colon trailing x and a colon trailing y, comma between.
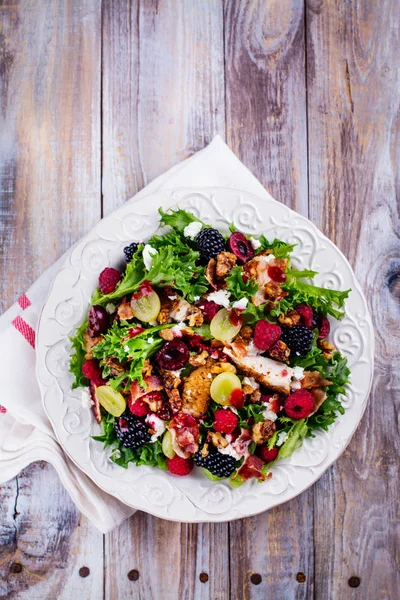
x: 261, y: 432
x: 246, y: 332
x: 280, y: 351
x: 198, y: 360
x: 313, y: 379
x: 327, y: 348
x: 225, y: 263
x: 217, y: 439
x: 273, y: 291
x: 289, y: 319
x: 195, y: 316
x: 125, y: 311
x: 166, y: 334
x: 223, y: 367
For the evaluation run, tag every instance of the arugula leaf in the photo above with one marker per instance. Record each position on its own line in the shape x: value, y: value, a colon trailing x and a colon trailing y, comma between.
x: 279, y: 249
x: 238, y: 287
x: 177, y: 219
x: 78, y: 357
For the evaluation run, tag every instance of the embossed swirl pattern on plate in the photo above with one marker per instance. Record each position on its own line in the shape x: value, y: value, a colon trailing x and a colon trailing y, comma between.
x: 158, y: 492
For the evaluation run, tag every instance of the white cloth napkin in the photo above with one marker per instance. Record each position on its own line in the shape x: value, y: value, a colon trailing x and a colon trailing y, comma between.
x: 26, y: 434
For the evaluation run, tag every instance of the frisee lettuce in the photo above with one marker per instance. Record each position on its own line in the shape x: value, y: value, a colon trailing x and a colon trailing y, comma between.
x: 238, y: 287
x: 78, y: 356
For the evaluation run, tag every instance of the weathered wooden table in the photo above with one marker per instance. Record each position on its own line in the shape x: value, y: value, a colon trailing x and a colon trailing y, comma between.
x: 98, y: 98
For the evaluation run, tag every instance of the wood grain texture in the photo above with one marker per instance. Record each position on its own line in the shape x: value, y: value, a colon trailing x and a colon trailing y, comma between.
x: 163, y: 99
x: 49, y: 196
x: 354, y: 127
x: 266, y: 127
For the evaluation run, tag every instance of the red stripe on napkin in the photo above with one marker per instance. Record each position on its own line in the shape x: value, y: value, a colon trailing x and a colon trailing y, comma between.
x: 26, y: 330
x: 3, y: 410
x: 24, y: 301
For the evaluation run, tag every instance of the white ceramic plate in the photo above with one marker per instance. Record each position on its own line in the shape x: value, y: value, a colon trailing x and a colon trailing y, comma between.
x: 195, y: 498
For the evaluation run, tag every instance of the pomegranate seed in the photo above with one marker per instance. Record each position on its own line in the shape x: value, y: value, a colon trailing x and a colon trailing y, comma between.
x: 237, y: 398
x: 276, y: 274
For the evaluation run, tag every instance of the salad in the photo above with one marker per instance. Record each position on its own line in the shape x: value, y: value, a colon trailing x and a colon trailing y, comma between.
x: 209, y: 350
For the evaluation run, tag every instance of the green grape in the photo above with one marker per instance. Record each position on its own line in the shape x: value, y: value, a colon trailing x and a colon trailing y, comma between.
x: 223, y: 386
x: 112, y: 401
x: 222, y: 328
x: 146, y: 308
x: 167, y: 447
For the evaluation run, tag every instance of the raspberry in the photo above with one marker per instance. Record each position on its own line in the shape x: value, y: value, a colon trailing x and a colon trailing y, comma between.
x: 237, y: 398
x: 266, y: 334
x: 91, y: 369
x: 306, y: 313
x: 268, y: 455
x: 276, y: 274
x: 324, y: 327
x: 139, y: 408
x: 299, y: 405
x: 225, y: 421
x: 108, y: 280
x: 209, y: 309
x: 179, y: 466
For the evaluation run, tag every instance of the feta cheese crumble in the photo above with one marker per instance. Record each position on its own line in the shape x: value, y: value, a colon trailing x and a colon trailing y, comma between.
x: 157, y: 424
x: 86, y: 399
x: 192, y: 229
x: 172, y: 297
x: 252, y: 350
x: 177, y: 329
x: 255, y: 243
x: 110, y: 308
x: 148, y: 253
x: 150, y: 340
x: 282, y: 437
x: 230, y: 451
x: 268, y: 413
x: 196, y: 298
x: 298, y: 375
x: 221, y: 298
x: 126, y: 348
x: 251, y: 382
x: 240, y: 304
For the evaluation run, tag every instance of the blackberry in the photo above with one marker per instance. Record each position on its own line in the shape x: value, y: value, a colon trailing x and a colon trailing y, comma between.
x: 298, y: 339
x: 131, y: 431
x: 221, y: 465
x: 209, y: 243
x: 130, y: 250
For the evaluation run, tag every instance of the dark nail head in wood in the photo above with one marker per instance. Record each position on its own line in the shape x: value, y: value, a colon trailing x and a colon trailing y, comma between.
x: 354, y: 581
x: 133, y: 575
x: 300, y: 577
x: 203, y: 577
x: 84, y: 571
x: 16, y: 568
x: 256, y: 579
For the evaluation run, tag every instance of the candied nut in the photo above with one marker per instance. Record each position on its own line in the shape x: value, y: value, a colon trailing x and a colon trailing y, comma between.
x: 261, y: 432
x: 147, y: 368
x: 90, y: 343
x: 255, y: 396
x: 113, y: 363
x: 247, y: 389
x: 211, y: 272
x: 195, y: 316
x: 198, y: 360
x: 225, y: 262
x: 125, y: 311
x: 246, y: 332
x: 273, y: 291
x: 204, y: 451
x: 223, y: 367
x: 289, y: 319
x: 175, y: 399
x: 280, y: 351
x: 163, y: 316
x: 166, y: 334
x: 217, y: 439
x: 327, y: 348
x: 187, y: 331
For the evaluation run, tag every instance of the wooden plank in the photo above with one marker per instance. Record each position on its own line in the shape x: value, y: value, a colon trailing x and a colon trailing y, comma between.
x: 266, y: 127
x: 354, y: 134
x: 163, y: 99
x: 49, y: 196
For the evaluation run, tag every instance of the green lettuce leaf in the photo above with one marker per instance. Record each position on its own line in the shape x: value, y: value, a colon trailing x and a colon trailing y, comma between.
x: 78, y: 356
x: 239, y: 288
x: 296, y: 433
x: 177, y: 219
x: 279, y: 249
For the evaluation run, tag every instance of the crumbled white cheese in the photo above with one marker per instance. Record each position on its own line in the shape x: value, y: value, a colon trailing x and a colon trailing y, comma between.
x: 110, y: 308
x: 150, y: 340
x: 298, y: 375
x: 231, y: 408
x: 148, y: 253
x: 177, y: 329
x: 255, y: 243
x: 126, y: 348
x: 282, y: 437
x: 251, y: 382
x: 267, y: 259
x: 192, y: 229
x: 240, y: 304
x: 177, y: 372
x: 209, y: 376
x: 221, y: 298
x: 268, y: 413
x: 157, y: 424
x: 86, y: 398
x: 172, y: 297
x: 230, y: 451
x: 196, y: 298
x: 153, y: 323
